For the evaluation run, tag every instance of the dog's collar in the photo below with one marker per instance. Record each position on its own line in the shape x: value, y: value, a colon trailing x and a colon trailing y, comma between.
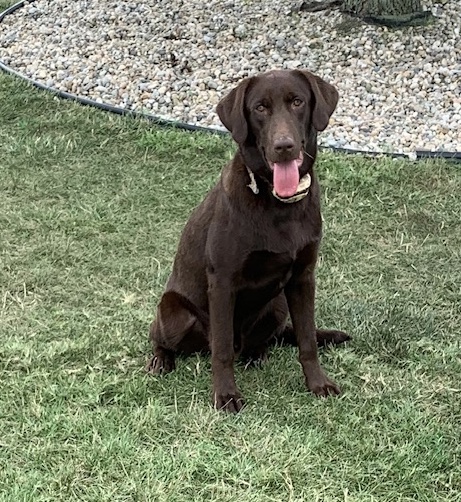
x: 303, y: 188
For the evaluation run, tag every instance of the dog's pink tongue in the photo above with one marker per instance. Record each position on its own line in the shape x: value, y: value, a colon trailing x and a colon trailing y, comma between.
x: 286, y: 178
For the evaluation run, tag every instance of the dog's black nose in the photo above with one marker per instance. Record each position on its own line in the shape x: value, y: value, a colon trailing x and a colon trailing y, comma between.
x: 284, y: 144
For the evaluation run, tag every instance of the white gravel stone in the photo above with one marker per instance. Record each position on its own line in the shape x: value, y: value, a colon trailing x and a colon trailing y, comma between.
x: 400, y: 90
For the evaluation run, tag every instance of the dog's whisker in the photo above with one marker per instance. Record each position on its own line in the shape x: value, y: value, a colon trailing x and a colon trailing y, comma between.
x: 308, y: 154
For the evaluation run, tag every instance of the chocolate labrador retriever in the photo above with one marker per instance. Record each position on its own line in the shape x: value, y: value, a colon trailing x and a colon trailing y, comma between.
x: 247, y: 255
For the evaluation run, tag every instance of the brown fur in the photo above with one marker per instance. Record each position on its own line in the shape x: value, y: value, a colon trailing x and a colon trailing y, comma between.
x: 246, y: 261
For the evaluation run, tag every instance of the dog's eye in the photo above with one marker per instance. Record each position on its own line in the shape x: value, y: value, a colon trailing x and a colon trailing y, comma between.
x: 297, y: 102
x: 260, y: 108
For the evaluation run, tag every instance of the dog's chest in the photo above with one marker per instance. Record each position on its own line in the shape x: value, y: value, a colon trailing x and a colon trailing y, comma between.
x: 265, y: 268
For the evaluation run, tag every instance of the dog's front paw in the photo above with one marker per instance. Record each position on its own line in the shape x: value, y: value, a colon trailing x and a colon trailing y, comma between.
x: 230, y: 401
x: 322, y: 386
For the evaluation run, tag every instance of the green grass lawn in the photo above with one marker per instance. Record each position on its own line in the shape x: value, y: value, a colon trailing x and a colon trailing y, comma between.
x: 91, y: 208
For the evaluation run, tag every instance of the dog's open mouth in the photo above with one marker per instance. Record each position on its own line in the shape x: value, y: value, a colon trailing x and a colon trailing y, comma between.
x: 286, y: 176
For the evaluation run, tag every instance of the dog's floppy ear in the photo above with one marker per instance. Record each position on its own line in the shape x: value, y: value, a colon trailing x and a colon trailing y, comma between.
x: 231, y: 111
x: 326, y: 99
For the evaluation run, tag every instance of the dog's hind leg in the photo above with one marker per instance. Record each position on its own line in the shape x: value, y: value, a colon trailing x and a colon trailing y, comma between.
x: 177, y: 328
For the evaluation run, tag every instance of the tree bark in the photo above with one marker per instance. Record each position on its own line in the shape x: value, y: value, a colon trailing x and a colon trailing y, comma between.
x: 385, y: 12
x: 382, y: 7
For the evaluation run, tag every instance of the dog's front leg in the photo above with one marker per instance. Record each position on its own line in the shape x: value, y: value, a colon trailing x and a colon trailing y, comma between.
x: 300, y: 294
x: 221, y: 307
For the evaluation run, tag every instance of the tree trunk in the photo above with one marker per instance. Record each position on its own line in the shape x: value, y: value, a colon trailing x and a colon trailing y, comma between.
x: 386, y: 12
x: 365, y: 8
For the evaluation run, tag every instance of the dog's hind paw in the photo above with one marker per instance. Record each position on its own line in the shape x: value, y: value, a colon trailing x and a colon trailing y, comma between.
x: 256, y: 360
x: 161, y: 362
x: 331, y: 337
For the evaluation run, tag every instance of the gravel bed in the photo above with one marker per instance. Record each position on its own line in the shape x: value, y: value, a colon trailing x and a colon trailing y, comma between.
x: 400, y: 90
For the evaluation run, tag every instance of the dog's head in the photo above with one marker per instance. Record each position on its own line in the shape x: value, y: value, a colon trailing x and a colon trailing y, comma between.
x: 279, y: 114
